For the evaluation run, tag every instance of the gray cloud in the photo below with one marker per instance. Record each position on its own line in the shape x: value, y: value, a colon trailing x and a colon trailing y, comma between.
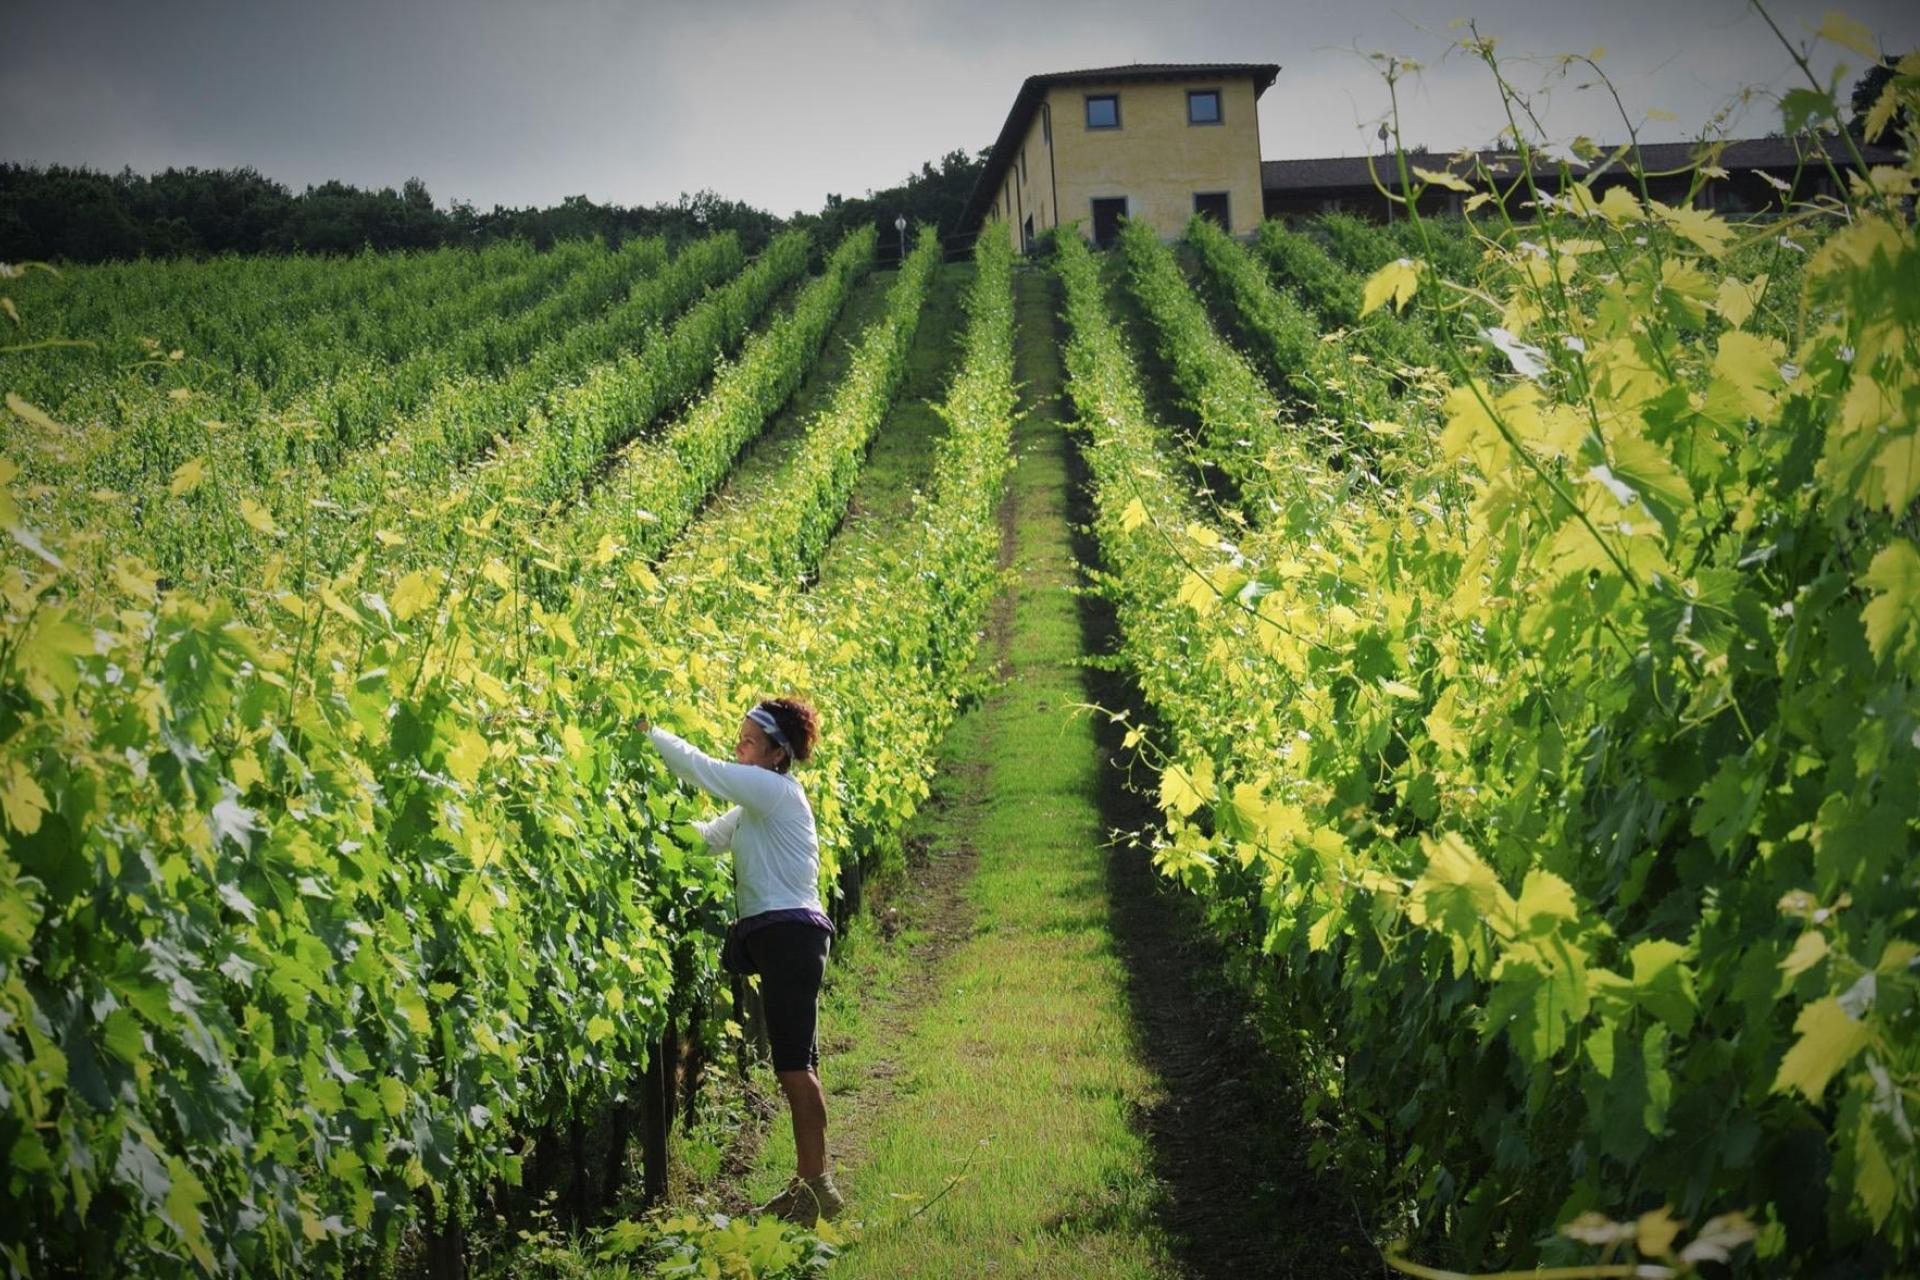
x: 780, y: 101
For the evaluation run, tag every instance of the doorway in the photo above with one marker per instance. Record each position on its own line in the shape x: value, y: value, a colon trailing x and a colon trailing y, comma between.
x: 1107, y: 212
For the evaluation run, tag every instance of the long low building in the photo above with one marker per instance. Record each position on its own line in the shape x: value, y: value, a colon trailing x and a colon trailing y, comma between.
x: 1743, y: 175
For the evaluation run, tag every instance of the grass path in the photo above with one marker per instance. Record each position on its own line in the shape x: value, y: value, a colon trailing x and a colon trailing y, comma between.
x: 993, y: 1038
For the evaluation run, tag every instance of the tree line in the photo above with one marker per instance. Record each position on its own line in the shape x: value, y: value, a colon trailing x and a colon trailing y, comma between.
x: 60, y: 213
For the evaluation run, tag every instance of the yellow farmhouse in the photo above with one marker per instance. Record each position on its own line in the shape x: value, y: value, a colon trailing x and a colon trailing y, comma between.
x: 1156, y: 142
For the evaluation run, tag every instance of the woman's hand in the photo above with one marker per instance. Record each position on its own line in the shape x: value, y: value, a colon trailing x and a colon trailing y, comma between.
x: 641, y: 724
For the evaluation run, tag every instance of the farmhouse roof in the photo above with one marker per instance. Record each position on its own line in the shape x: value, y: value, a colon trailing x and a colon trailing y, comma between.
x: 1779, y: 155
x: 1034, y: 88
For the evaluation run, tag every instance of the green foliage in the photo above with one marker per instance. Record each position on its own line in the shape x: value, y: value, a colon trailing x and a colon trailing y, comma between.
x: 1333, y: 293
x: 1557, y: 780
x: 934, y: 197
x: 692, y: 1246
x: 323, y: 498
x: 1338, y: 388
x: 77, y: 215
x: 669, y: 476
x: 697, y: 1247
x: 1239, y: 418
x: 818, y: 479
x: 303, y: 920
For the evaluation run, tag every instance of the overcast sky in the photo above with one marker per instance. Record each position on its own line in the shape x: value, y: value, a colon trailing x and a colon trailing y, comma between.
x: 778, y: 102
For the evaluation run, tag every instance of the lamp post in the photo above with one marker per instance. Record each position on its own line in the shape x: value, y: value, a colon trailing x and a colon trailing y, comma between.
x: 900, y: 225
x: 1382, y: 135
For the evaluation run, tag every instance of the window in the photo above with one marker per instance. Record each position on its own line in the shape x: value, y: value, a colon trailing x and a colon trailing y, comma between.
x: 1046, y: 123
x: 1203, y: 106
x: 1023, y: 164
x: 1212, y: 205
x: 1103, y: 111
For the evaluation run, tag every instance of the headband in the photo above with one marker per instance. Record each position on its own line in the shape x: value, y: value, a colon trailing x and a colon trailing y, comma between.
x: 764, y: 718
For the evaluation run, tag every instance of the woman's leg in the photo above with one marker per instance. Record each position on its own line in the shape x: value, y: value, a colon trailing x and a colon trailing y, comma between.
x: 792, y: 960
x: 808, y: 1103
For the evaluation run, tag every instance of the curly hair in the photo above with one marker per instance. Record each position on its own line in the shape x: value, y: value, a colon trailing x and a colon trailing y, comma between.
x: 798, y: 721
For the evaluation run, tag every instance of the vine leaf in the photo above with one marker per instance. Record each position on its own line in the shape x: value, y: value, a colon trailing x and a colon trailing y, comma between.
x: 1397, y: 281
x: 1828, y: 1039
x: 1892, y: 617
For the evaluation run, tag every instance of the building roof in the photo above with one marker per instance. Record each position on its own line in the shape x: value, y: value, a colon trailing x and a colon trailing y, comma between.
x: 1350, y: 172
x: 1034, y: 88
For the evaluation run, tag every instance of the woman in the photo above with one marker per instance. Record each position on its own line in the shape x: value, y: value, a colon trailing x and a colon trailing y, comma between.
x: 781, y: 929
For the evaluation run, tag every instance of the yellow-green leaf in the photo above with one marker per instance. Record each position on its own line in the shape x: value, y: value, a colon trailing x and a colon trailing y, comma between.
x: 1248, y: 813
x: 414, y: 1010
x: 1838, y: 28
x: 188, y: 476
x: 1706, y: 229
x: 1746, y: 376
x: 1619, y: 205
x: 478, y: 904
x: 1829, y: 1038
x: 1197, y: 593
x: 1874, y: 1180
x: 412, y: 594
x: 22, y: 799
x: 51, y: 651
x: 1892, y: 617
x: 1545, y: 897
x: 31, y: 415
x: 1184, y: 789
x: 1654, y: 1233
x: 1881, y: 113
x: 1810, y: 949
x: 466, y: 756
x: 490, y: 688
x: 1662, y: 982
x: 1898, y: 463
x: 1737, y: 298
x: 1441, y: 178
x: 185, y: 1194
x: 258, y: 516
x: 1397, y: 281
x: 1457, y: 891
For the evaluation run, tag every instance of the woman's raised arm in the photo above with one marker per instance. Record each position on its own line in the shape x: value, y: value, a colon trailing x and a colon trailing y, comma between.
x: 743, y: 784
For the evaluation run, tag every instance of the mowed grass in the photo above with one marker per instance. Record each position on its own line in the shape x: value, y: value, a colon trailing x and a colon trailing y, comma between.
x: 1008, y: 1065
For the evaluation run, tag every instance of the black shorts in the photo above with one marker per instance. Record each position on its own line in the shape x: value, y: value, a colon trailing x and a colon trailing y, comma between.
x: 791, y: 958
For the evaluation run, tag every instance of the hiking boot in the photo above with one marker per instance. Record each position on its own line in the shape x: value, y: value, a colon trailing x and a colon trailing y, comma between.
x: 815, y: 1199
x: 784, y: 1204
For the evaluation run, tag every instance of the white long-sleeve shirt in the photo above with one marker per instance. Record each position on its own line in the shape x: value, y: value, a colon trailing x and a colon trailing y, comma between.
x: 776, y: 851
